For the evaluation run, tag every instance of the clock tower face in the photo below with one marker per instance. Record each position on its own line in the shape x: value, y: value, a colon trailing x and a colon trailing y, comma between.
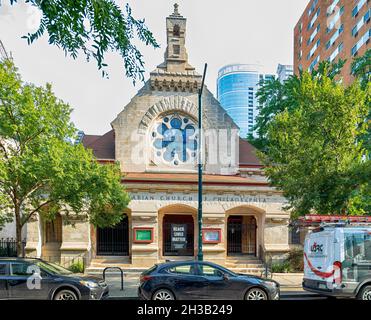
x: 174, y: 141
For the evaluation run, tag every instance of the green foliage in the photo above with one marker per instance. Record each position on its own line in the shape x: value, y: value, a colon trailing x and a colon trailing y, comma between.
x: 283, y: 267
x: 293, y: 263
x: 41, y: 169
x: 94, y: 27
x: 296, y: 260
x: 361, y: 68
x: 313, y: 148
x: 77, y: 267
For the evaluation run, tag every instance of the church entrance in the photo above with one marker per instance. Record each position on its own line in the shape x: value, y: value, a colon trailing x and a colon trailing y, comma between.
x: 241, y: 235
x: 114, y: 241
x: 178, y: 235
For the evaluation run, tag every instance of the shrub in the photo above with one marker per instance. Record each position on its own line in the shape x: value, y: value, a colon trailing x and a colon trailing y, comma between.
x: 77, y: 267
x: 283, y: 267
x: 296, y: 260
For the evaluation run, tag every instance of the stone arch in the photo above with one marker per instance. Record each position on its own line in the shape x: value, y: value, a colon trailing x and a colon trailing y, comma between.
x: 245, y: 211
x: 172, y: 211
x: 173, y: 103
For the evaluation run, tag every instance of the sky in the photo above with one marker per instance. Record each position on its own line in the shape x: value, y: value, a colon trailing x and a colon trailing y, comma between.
x: 218, y: 32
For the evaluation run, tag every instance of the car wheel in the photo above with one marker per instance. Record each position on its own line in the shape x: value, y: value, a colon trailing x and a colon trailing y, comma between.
x: 365, y: 293
x: 163, y: 294
x: 65, y: 295
x: 256, y: 294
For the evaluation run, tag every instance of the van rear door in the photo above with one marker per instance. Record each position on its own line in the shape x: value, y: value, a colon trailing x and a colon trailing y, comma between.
x: 319, y: 256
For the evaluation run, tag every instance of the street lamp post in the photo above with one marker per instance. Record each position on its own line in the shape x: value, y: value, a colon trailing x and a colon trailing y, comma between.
x: 200, y: 255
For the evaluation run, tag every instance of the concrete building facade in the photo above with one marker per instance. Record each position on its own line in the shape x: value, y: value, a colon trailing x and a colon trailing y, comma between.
x: 332, y: 30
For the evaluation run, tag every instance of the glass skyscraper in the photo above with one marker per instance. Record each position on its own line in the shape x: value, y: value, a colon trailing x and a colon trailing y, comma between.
x: 237, y: 86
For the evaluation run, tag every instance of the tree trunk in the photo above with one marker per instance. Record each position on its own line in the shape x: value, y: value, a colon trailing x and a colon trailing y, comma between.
x: 20, y: 252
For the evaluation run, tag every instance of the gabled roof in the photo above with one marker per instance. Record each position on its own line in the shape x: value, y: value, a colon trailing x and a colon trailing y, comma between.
x: 247, y: 154
x: 103, y: 146
x: 104, y: 149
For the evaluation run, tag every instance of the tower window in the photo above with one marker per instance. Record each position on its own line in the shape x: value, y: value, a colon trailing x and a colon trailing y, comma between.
x: 176, y: 31
x: 176, y: 49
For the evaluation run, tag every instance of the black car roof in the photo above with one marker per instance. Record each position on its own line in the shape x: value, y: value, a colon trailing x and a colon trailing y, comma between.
x: 177, y: 263
x: 18, y: 259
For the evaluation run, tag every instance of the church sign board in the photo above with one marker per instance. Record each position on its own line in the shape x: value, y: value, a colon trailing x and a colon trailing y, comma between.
x: 178, y: 236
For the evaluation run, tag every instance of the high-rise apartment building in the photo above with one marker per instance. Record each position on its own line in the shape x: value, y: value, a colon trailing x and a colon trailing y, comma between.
x: 237, y: 86
x: 330, y: 30
x: 284, y: 71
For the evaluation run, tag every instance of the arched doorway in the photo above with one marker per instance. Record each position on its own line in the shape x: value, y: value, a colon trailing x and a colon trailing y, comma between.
x: 241, y: 235
x: 52, y: 239
x: 114, y: 241
x: 178, y: 235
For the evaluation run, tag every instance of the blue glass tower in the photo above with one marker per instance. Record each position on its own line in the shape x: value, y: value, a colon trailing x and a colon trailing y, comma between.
x: 237, y: 86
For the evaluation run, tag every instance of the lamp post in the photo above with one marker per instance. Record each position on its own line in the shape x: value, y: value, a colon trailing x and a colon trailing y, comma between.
x: 200, y: 255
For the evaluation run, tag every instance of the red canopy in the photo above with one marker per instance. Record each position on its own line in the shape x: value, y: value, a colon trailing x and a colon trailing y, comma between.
x: 321, y: 218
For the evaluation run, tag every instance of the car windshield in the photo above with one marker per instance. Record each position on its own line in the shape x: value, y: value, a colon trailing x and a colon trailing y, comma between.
x: 52, y: 268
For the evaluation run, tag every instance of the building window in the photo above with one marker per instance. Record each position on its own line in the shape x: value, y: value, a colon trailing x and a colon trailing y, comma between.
x: 335, y: 36
x: 314, y: 63
x: 358, y: 7
x: 311, y: 24
x: 331, y: 8
x: 176, y: 49
x: 359, y: 25
x: 176, y: 31
x: 365, y: 38
x: 335, y: 20
x: 295, y: 235
x: 336, y: 52
x: 312, y: 7
x: 313, y: 35
x: 174, y: 140
x: 313, y: 50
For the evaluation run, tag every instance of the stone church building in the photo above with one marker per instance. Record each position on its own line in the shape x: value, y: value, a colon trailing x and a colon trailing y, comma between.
x: 154, y: 139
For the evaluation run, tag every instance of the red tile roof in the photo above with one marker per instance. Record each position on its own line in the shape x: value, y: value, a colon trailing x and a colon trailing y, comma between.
x: 104, y: 148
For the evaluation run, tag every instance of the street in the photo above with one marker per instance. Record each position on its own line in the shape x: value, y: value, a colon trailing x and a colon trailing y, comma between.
x: 131, y: 282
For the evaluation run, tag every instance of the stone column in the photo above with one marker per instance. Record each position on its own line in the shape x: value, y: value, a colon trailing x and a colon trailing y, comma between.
x: 75, y: 240
x: 215, y: 252
x: 276, y: 236
x: 34, y: 237
x: 144, y: 254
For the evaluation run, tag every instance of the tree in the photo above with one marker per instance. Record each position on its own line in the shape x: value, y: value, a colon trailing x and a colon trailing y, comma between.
x: 41, y: 170
x: 275, y: 97
x: 93, y: 27
x: 313, y: 150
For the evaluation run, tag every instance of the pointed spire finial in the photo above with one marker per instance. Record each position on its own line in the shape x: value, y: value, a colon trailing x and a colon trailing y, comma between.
x: 176, y: 6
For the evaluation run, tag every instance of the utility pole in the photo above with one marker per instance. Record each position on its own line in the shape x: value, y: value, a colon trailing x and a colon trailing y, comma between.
x: 200, y: 255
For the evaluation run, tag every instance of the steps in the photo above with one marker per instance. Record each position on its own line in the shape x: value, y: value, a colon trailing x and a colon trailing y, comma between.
x: 99, y: 263
x: 238, y: 264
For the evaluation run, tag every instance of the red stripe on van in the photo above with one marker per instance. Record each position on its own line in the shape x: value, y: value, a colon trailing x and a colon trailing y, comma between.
x: 318, y: 272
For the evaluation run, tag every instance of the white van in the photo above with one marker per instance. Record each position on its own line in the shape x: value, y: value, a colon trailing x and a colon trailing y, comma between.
x: 337, y: 261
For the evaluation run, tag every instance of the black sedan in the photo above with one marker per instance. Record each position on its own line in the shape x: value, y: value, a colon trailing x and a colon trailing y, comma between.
x: 193, y: 280
x: 24, y: 278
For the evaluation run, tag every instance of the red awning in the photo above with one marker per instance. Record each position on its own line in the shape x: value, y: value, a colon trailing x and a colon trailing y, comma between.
x: 322, y: 218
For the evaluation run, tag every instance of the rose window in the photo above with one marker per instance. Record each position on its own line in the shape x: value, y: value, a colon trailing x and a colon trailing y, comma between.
x: 174, y: 140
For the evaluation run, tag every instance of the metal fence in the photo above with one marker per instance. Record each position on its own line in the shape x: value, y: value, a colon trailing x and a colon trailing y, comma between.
x: 8, y: 247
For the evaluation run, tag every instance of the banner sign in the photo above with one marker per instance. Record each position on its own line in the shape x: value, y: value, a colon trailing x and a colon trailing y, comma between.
x: 178, y: 236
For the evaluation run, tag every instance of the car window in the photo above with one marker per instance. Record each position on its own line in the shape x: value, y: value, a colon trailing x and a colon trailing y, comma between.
x: 209, y: 271
x: 3, y: 271
x: 21, y: 269
x: 183, y: 269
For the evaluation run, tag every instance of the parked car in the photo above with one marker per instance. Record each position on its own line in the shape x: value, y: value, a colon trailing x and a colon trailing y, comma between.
x: 337, y: 261
x: 25, y: 278
x: 193, y: 280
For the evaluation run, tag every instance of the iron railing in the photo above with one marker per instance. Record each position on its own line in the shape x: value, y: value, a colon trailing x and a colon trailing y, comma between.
x: 8, y: 247
x: 266, y: 259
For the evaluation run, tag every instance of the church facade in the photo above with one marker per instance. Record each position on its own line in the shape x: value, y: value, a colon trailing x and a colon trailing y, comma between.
x: 155, y: 141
